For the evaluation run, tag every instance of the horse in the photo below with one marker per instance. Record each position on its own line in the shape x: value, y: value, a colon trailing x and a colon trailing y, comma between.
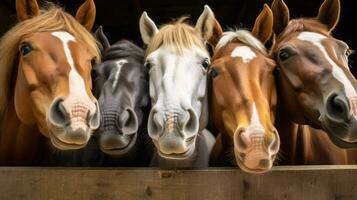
x: 120, y: 82
x: 45, y: 80
x: 316, y: 109
x: 243, y: 97
x: 177, y: 60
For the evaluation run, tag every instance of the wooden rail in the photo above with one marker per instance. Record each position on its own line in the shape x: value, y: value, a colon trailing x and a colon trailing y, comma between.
x: 293, y: 182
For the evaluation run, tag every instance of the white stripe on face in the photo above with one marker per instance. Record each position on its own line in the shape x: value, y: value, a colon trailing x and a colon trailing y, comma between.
x: 77, y: 87
x: 244, y: 52
x: 337, y: 72
x: 120, y: 64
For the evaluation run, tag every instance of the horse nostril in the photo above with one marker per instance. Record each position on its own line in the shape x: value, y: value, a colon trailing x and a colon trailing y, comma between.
x: 128, y: 122
x: 241, y: 143
x: 95, y: 119
x: 337, y: 107
x: 58, y: 114
x: 123, y: 118
x: 155, y: 124
x: 190, y: 126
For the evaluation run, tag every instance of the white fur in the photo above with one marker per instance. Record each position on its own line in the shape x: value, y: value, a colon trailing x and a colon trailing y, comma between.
x: 77, y: 89
x: 120, y: 64
x: 243, y: 36
x: 244, y: 52
x: 337, y: 72
x: 177, y: 81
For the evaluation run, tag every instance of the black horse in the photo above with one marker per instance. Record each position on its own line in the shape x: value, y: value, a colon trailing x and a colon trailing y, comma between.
x: 120, y: 82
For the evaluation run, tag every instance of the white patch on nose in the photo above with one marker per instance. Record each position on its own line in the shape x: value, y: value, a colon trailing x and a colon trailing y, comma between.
x: 255, y: 120
x: 77, y: 89
x: 120, y: 64
x: 337, y: 72
x: 244, y: 52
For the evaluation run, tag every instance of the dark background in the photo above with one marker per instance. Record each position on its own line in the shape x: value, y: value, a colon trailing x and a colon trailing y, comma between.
x: 120, y: 18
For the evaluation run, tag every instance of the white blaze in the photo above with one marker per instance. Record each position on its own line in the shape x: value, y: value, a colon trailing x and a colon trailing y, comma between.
x: 244, y: 52
x: 77, y: 89
x: 337, y: 72
x: 120, y: 64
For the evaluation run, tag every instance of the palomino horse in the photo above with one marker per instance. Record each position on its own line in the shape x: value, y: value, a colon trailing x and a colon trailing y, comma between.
x: 45, y: 81
x: 244, y: 96
x: 121, y: 85
x: 315, y: 87
x: 177, y: 60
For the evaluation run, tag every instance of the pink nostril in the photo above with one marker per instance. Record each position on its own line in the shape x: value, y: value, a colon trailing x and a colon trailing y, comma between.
x: 241, y: 141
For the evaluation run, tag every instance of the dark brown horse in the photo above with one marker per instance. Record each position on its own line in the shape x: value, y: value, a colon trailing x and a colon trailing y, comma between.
x: 244, y: 97
x: 316, y: 91
x: 45, y: 80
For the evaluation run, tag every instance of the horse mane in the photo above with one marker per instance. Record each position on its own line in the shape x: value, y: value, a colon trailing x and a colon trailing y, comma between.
x: 243, y: 36
x: 178, y: 35
x: 304, y: 24
x: 123, y: 48
x: 51, y: 18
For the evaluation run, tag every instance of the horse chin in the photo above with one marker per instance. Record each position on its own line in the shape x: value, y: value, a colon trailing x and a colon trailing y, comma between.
x: 61, y: 145
x: 119, y: 150
x: 242, y: 163
x: 177, y: 156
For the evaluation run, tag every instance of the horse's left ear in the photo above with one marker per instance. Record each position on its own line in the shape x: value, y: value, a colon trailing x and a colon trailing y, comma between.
x: 329, y: 13
x: 208, y: 26
x: 26, y: 9
x: 102, y: 38
x: 86, y: 14
x: 263, y: 26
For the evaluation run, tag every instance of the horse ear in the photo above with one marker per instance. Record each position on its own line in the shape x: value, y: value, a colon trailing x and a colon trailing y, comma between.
x: 25, y: 9
x: 100, y: 36
x: 86, y: 14
x: 329, y: 13
x: 263, y: 26
x: 147, y: 28
x: 208, y: 27
x: 281, y: 16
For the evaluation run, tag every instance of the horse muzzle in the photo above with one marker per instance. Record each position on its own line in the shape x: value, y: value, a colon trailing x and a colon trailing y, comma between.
x: 254, y: 151
x: 118, y: 132
x: 72, y: 123
x: 173, y: 132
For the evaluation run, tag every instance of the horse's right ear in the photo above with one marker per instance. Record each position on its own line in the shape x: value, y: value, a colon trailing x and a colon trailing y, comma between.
x: 26, y: 9
x: 208, y: 27
x: 281, y: 16
x: 147, y: 28
x: 100, y: 36
x: 329, y: 13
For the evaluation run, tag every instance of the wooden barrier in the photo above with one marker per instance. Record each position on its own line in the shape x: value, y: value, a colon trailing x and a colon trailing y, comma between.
x: 301, y: 183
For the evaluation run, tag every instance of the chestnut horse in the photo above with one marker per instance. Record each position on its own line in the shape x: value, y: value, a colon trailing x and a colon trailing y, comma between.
x: 45, y: 81
x: 244, y: 97
x: 317, y: 99
x: 120, y: 82
x: 177, y: 60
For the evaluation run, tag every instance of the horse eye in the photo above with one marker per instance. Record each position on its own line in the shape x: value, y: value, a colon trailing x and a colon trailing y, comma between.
x: 148, y: 65
x: 93, y: 61
x: 284, y: 55
x: 205, y: 63
x: 25, y: 49
x: 213, y: 73
x: 94, y: 74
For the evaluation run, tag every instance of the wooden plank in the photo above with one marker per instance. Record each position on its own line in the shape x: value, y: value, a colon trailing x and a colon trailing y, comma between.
x: 308, y: 182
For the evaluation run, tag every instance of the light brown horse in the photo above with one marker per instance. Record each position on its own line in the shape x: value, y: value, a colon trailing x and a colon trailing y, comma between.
x: 45, y: 80
x: 315, y: 88
x: 244, y: 96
